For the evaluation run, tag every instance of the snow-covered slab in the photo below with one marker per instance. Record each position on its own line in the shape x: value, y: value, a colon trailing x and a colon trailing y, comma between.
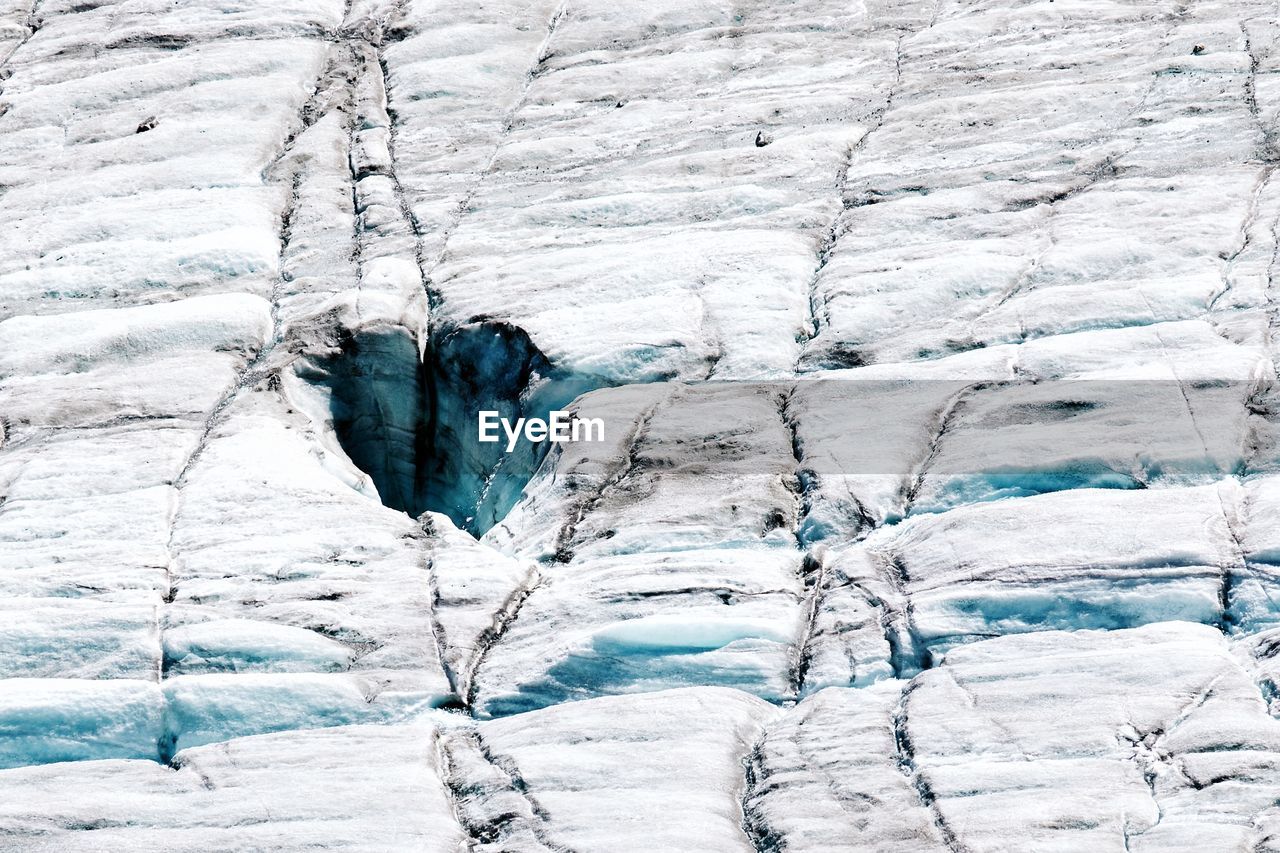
x: 662, y: 771
x: 831, y: 774
x: 135, y: 547
x: 16, y: 26
x: 108, y: 367
x: 63, y: 719
x: 261, y: 262
x: 1187, y: 351
x: 1084, y: 558
x: 648, y: 622
x: 134, y: 142
x: 861, y: 443
x: 658, y: 771
x: 675, y: 561
x: 294, y: 547
x: 1027, y: 439
x: 458, y: 71
x: 121, y: 507
x: 356, y: 788
x: 201, y: 709
x: 102, y: 410
x: 247, y: 644
x: 712, y: 465
x: 670, y: 172
x: 103, y: 635
x: 1155, y: 738
x: 989, y: 206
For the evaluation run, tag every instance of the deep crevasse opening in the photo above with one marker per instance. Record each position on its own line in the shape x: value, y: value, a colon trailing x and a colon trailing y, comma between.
x: 409, y: 419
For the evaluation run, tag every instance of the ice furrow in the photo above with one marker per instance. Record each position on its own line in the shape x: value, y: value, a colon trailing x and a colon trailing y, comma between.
x: 1231, y: 519
x: 628, y: 463
x: 402, y: 202
x: 813, y: 570
x: 754, y: 825
x: 508, y: 124
x: 827, y: 245
x: 908, y: 655
x: 1246, y: 237
x: 907, y: 764
x: 915, y: 481
x: 1270, y: 148
x: 827, y: 777
x: 491, y: 800
x: 437, y: 627
x: 815, y: 578
x: 30, y: 24
x: 493, y: 635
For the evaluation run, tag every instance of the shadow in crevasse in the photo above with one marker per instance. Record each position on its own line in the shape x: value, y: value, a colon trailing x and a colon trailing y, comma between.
x: 408, y: 419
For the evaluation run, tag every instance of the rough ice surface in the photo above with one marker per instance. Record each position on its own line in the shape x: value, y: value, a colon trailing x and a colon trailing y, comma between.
x: 1167, y: 745
x: 936, y: 508
x: 353, y: 788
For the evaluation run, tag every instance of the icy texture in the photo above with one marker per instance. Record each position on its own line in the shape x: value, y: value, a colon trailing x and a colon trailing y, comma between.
x: 1167, y: 745
x: 829, y: 775
x: 580, y: 777
x: 356, y: 788
x: 674, y: 556
x: 1061, y: 561
x: 974, y: 548
x: 663, y: 767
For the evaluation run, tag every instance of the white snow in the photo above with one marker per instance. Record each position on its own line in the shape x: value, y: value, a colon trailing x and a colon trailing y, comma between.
x: 664, y: 767
x: 363, y: 788
x: 934, y: 347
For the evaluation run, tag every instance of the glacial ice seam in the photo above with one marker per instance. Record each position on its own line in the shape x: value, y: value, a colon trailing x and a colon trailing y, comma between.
x: 489, y: 815
x: 567, y: 532
x: 29, y: 26
x: 907, y: 764
x: 535, y: 70
x: 827, y: 246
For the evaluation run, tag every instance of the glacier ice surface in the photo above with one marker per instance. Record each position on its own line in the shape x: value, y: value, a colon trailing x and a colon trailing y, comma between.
x: 934, y: 341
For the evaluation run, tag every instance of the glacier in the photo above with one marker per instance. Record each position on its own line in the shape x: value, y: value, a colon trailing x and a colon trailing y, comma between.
x: 935, y: 347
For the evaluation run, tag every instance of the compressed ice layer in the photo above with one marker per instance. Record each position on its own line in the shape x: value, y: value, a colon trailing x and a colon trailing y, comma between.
x: 351, y: 788
x: 1052, y: 436
x: 243, y: 644
x: 670, y: 762
x: 1167, y: 745
x: 206, y: 209
x: 60, y: 719
x: 584, y: 776
x: 674, y: 557
x: 204, y: 709
x: 1062, y: 561
x: 697, y: 618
